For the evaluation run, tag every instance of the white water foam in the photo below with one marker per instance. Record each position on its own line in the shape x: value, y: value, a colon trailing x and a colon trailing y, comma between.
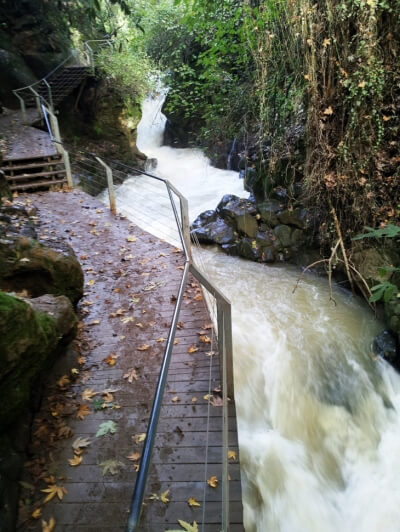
x: 318, y: 417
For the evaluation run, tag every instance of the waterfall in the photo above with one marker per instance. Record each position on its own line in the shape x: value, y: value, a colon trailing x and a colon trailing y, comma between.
x: 318, y: 416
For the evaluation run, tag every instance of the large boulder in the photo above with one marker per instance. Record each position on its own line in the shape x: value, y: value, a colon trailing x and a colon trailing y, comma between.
x: 297, y: 217
x: 370, y: 261
x: 385, y: 345
x: 29, y: 334
x: 209, y: 228
x: 268, y: 211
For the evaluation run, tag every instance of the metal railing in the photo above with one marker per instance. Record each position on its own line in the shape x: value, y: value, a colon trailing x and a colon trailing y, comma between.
x: 36, y: 91
x: 224, y: 331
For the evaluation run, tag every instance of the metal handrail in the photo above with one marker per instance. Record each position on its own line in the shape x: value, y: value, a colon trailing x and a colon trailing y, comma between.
x: 45, y: 80
x: 224, y: 345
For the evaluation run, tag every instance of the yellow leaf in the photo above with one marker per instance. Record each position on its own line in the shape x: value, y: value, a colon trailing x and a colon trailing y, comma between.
x: 139, y: 437
x: 328, y: 111
x: 199, y: 297
x: 212, y: 481
x: 94, y: 322
x: 127, y: 319
x: 326, y: 42
x: 37, y: 513
x: 160, y: 340
x: 88, y: 394
x: 50, y: 526
x: 192, y: 502
x: 131, y: 238
x: 175, y: 399
x: 74, y: 371
x: 163, y: 497
x: 54, y: 490
x: 188, y: 527
x: 231, y: 455
x: 386, y: 118
x: 75, y: 461
x: 362, y: 84
x: 205, y: 339
x: 91, y: 282
x: 143, y: 347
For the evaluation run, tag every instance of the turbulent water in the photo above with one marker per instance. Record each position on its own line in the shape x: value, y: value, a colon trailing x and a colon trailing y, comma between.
x: 318, y: 417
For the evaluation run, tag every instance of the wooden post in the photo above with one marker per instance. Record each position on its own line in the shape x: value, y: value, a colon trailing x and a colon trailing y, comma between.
x: 67, y: 165
x: 110, y: 184
x: 23, y: 108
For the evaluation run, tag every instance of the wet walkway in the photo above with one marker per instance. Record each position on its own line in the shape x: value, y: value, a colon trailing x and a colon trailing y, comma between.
x: 89, y: 432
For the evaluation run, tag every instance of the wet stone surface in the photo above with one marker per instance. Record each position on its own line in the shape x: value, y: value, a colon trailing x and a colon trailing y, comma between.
x: 105, y: 386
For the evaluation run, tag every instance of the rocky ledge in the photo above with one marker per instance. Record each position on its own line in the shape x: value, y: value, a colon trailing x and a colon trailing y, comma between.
x: 265, y: 232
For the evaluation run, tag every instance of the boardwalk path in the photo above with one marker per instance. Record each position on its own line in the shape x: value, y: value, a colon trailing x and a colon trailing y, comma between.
x: 128, y: 304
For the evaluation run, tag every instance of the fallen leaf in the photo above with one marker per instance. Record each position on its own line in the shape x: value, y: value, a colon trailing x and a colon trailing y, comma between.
x: 127, y: 319
x: 81, y: 360
x: 108, y: 427
x: 328, y: 111
x: 176, y: 341
x: 192, y: 502
x: 83, y: 411
x: 50, y: 526
x: 175, y: 399
x: 143, y: 347
x: 131, y: 375
x: 54, y: 490
x: 186, y: 526
x: 111, y: 466
x: 74, y: 371
x: 192, y: 349
x: 205, y: 339
x: 94, y: 322
x: 138, y: 438
x: 194, y: 399
x: 163, y: 497
x: 80, y: 443
x: 160, y: 340
x: 179, y: 325
x: 216, y: 400
x: 75, y: 461
x: 139, y: 324
x: 91, y: 282
x: 134, y: 457
x: 63, y: 381
x: 37, y: 513
x: 131, y: 238
x: 111, y: 360
x: 199, y: 297
x: 212, y: 481
x: 88, y: 394
x: 231, y: 455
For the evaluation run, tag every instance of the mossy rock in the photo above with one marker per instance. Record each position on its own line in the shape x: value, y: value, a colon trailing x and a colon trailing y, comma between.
x: 26, y: 264
x: 28, y: 345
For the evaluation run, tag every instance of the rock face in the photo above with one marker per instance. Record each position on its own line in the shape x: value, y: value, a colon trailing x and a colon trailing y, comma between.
x: 265, y: 232
x: 30, y: 331
x: 385, y: 346
x: 27, y: 264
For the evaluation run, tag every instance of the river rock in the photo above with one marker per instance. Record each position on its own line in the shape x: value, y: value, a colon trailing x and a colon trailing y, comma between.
x: 385, y: 346
x: 283, y: 235
x: 200, y: 226
x: 297, y: 217
x: 232, y: 206
x: 268, y: 211
x: 392, y: 314
x: 248, y: 249
x: 369, y: 262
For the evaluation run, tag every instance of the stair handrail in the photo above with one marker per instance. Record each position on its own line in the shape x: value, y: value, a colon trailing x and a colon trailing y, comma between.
x: 89, y: 56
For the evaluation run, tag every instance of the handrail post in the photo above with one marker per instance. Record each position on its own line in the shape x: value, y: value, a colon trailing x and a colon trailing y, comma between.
x: 186, y: 224
x: 110, y: 184
x: 50, y: 95
x: 67, y: 165
x: 22, y: 105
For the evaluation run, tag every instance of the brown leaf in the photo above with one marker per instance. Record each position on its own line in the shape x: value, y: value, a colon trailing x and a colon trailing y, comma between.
x: 75, y: 461
x: 83, y: 411
x: 192, y: 349
x: 63, y: 381
x: 37, y: 513
x: 134, y: 457
x: 205, y: 339
x: 88, y: 394
x: 212, y: 481
x: 175, y: 399
x: 111, y: 360
x: 231, y: 455
x: 50, y: 526
x: 179, y: 325
x: 328, y: 111
x: 138, y: 438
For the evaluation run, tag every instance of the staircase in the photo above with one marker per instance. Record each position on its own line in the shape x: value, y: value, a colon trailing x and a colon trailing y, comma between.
x: 61, y: 83
x: 40, y: 172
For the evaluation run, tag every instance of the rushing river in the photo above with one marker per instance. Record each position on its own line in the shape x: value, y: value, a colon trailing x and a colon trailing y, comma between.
x: 318, y: 417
